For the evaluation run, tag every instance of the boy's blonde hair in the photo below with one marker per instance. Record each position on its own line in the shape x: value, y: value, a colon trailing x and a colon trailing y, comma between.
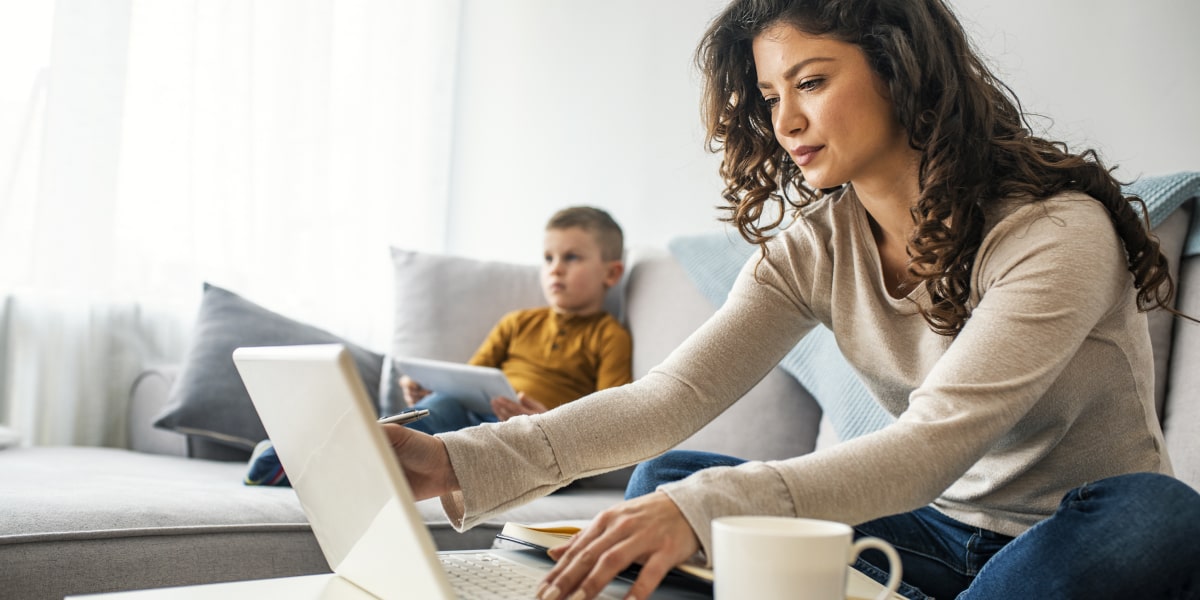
x: 597, y: 222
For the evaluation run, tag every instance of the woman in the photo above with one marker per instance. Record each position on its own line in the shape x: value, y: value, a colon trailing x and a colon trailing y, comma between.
x: 988, y: 285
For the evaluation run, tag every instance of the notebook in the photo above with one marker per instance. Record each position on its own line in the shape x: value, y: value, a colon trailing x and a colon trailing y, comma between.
x: 472, y: 385
x: 315, y: 410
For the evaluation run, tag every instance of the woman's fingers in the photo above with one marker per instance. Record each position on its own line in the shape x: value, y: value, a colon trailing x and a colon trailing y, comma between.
x: 649, y: 530
x: 580, y: 567
x: 654, y: 570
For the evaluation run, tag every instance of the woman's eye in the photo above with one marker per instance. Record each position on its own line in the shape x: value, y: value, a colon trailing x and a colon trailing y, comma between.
x: 771, y: 102
x: 809, y: 85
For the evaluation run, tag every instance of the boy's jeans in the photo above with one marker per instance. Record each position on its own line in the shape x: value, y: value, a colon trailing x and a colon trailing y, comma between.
x: 447, y: 414
x: 1131, y: 536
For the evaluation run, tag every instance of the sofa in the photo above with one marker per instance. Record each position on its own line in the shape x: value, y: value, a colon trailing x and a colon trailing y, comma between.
x: 171, y: 508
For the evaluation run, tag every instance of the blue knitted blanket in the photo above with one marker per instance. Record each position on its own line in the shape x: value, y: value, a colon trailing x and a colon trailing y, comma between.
x: 713, y: 260
x: 1164, y: 194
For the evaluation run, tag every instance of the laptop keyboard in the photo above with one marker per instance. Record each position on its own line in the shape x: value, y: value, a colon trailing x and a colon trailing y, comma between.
x: 480, y: 576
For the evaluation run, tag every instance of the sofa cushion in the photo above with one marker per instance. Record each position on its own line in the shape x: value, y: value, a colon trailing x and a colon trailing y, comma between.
x: 208, y: 399
x: 115, y: 519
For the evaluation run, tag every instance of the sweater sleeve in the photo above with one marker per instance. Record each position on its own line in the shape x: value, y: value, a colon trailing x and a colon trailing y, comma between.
x: 1044, y: 281
x: 506, y: 464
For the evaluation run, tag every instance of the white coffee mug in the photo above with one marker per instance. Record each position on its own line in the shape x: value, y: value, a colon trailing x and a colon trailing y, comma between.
x: 773, y: 558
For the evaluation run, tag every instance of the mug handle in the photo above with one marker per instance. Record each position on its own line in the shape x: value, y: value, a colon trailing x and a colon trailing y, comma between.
x: 894, y: 569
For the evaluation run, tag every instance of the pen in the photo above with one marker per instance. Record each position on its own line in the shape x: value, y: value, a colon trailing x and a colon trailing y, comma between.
x: 407, y: 416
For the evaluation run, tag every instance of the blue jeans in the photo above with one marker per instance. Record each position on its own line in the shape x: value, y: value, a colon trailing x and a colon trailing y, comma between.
x: 1130, y: 536
x: 447, y: 414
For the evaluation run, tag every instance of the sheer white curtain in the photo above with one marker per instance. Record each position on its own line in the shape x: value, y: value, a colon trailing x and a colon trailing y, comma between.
x: 273, y: 147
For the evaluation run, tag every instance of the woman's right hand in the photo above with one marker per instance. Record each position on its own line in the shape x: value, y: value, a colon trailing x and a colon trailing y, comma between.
x: 413, y: 392
x: 649, y: 530
x: 425, y: 461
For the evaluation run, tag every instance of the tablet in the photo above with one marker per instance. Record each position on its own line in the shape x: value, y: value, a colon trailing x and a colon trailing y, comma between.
x: 472, y: 385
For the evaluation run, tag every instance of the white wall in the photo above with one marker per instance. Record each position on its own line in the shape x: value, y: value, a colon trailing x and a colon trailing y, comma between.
x: 568, y: 102
x: 571, y: 102
x: 1117, y: 75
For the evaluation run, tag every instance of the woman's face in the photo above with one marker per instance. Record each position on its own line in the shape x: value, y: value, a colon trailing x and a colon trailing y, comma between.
x: 829, y: 110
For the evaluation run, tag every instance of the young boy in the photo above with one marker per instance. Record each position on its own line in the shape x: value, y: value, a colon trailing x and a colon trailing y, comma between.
x: 556, y: 353
x: 551, y: 355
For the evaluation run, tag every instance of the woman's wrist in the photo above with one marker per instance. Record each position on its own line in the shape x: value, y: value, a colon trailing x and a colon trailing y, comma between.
x: 450, y: 482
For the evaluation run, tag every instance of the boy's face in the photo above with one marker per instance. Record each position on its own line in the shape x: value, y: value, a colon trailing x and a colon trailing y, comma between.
x: 575, y: 275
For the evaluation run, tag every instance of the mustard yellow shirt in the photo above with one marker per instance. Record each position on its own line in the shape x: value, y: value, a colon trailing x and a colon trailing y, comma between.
x: 557, y: 358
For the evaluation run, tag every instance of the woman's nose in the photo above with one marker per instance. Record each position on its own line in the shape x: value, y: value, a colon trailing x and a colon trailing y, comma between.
x: 789, y: 117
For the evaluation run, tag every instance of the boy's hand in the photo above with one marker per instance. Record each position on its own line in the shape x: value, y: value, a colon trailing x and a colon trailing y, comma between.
x: 413, y: 392
x: 506, y: 408
x: 424, y: 459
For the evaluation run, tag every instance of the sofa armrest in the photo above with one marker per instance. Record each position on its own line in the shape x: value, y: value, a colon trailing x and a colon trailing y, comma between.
x: 147, y: 399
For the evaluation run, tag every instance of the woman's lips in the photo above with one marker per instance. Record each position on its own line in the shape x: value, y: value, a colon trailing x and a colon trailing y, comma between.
x: 805, y: 154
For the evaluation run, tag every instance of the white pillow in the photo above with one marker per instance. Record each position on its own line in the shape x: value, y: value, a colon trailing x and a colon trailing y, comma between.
x: 446, y: 305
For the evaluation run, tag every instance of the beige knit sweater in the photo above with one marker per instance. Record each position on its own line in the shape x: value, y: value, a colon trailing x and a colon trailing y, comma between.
x: 1048, y: 386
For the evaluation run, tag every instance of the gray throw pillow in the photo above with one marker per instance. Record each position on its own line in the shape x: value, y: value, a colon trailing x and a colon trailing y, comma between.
x: 208, y: 399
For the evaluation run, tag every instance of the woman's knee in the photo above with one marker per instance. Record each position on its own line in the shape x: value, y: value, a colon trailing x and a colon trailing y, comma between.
x: 1145, y: 522
x: 673, y: 466
x: 1146, y: 493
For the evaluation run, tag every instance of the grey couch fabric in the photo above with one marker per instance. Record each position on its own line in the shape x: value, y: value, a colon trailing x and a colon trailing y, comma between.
x: 84, y: 520
x: 107, y: 517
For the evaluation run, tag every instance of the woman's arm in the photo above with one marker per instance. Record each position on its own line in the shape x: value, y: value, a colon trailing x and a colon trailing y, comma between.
x: 1047, y: 276
x: 501, y: 467
x: 1050, y: 281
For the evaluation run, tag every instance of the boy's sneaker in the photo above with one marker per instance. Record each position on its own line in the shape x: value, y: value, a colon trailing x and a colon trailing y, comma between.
x: 265, y: 468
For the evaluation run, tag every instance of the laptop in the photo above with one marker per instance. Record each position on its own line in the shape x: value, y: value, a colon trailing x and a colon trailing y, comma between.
x: 472, y: 385
x: 317, y: 413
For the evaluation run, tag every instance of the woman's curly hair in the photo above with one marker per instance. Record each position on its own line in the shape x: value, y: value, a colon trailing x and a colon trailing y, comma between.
x: 974, y: 141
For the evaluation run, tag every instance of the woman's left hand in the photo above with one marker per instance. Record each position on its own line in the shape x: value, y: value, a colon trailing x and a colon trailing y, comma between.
x: 649, y: 530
